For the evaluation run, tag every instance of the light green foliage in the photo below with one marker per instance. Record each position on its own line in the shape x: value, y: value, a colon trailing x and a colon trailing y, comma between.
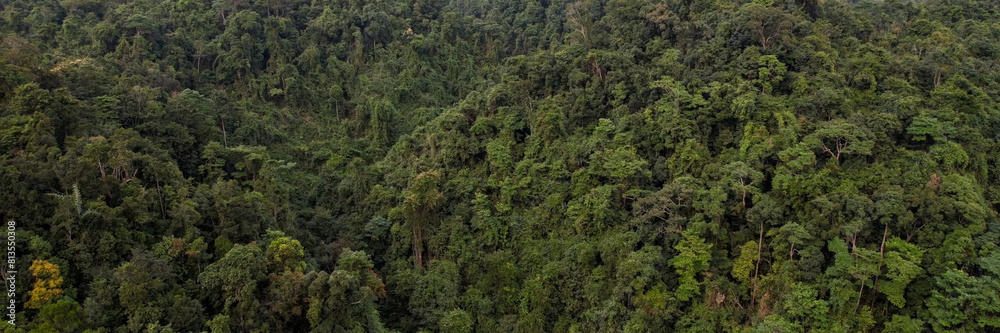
x: 853, y: 271
x: 902, y: 262
x: 284, y: 254
x: 770, y: 73
x: 692, y: 258
x: 744, y: 264
x: 804, y: 306
x: 960, y: 300
x: 792, y: 235
x: 622, y: 163
x: 967, y: 199
x: 421, y: 201
x: 924, y: 127
x: 951, y: 155
x: 592, y: 212
x: 904, y: 324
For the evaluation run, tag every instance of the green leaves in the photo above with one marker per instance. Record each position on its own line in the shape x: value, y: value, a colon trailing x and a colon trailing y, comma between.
x: 743, y: 179
x: 419, y: 205
x: 902, y: 263
x: 744, y: 264
x: 344, y: 300
x: 923, y: 127
x: 770, y: 73
x: 436, y: 293
x: 623, y: 163
x: 951, y: 155
x: 507, y: 166
x: 284, y: 254
x: 904, y: 324
x: 238, y: 275
x: 963, y: 301
x: 838, y: 138
x: 805, y: 305
x: 692, y: 258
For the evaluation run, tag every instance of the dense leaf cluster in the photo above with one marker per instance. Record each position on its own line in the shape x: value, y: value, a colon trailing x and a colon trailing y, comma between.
x: 502, y: 166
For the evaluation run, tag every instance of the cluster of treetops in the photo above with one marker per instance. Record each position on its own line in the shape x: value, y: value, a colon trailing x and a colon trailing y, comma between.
x: 502, y: 165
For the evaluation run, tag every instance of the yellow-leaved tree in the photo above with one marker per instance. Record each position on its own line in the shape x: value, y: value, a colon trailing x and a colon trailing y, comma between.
x: 47, y: 284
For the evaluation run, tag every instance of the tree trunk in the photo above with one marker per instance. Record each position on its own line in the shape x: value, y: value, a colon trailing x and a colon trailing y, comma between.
x: 225, y: 142
x: 859, y: 295
x: 760, y: 246
x: 885, y: 234
x: 418, y: 246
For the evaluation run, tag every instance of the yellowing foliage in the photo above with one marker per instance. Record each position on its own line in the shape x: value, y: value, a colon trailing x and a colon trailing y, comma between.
x: 47, y: 284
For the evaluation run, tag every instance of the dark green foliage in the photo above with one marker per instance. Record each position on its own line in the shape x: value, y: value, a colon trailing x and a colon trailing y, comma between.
x: 503, y: 166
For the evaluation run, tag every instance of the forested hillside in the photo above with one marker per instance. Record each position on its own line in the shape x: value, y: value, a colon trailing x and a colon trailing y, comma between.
x: 502, y: 165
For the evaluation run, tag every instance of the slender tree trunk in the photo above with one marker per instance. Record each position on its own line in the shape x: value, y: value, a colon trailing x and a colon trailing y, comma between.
x: 885, y: 234
x: 163, y: 212
x: 756, y: 271
x: 859, y: 295
x: 225, y: 142
x: 418, y: 245
x: 760, y: 246
x: 101, y: 166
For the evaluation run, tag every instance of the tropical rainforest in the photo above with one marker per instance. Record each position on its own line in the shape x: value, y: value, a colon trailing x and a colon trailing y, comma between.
x: 501, y: 165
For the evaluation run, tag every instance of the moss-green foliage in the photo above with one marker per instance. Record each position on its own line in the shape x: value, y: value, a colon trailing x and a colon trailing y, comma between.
x: 503, y: 166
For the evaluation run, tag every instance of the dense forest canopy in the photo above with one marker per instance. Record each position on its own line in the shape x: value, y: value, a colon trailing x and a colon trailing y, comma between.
x: 502, y: 165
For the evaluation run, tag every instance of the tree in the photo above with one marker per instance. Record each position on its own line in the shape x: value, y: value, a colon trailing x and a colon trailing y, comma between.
x: 239, y: 275
x: 503, y: 166
x: 804, y: 305
x: 861, y: 264
x: 142, y: 288
x: 743, y: 179
x: 48, y: 284
x: 770, y: 73
x: 838, y: 138
x: 693, y: 257
x: 902, y: 263
x: 64, y: 315
x: 793, y: 234
x: 344, y: 300
x: 769, y: 24
x: 284, y: 254
x: 904, y: 324
x: 959, y: 300
x: 744, y: 264
x: 420, y: 203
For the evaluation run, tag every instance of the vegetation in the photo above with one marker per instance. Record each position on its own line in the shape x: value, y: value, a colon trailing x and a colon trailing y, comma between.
x: 502, y: 166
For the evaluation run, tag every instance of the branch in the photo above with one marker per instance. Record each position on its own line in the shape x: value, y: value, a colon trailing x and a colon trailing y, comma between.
x: 101, y: 166
x: 835, y: 156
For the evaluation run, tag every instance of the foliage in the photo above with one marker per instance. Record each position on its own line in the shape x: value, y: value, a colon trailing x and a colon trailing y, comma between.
x: 502, y: 166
